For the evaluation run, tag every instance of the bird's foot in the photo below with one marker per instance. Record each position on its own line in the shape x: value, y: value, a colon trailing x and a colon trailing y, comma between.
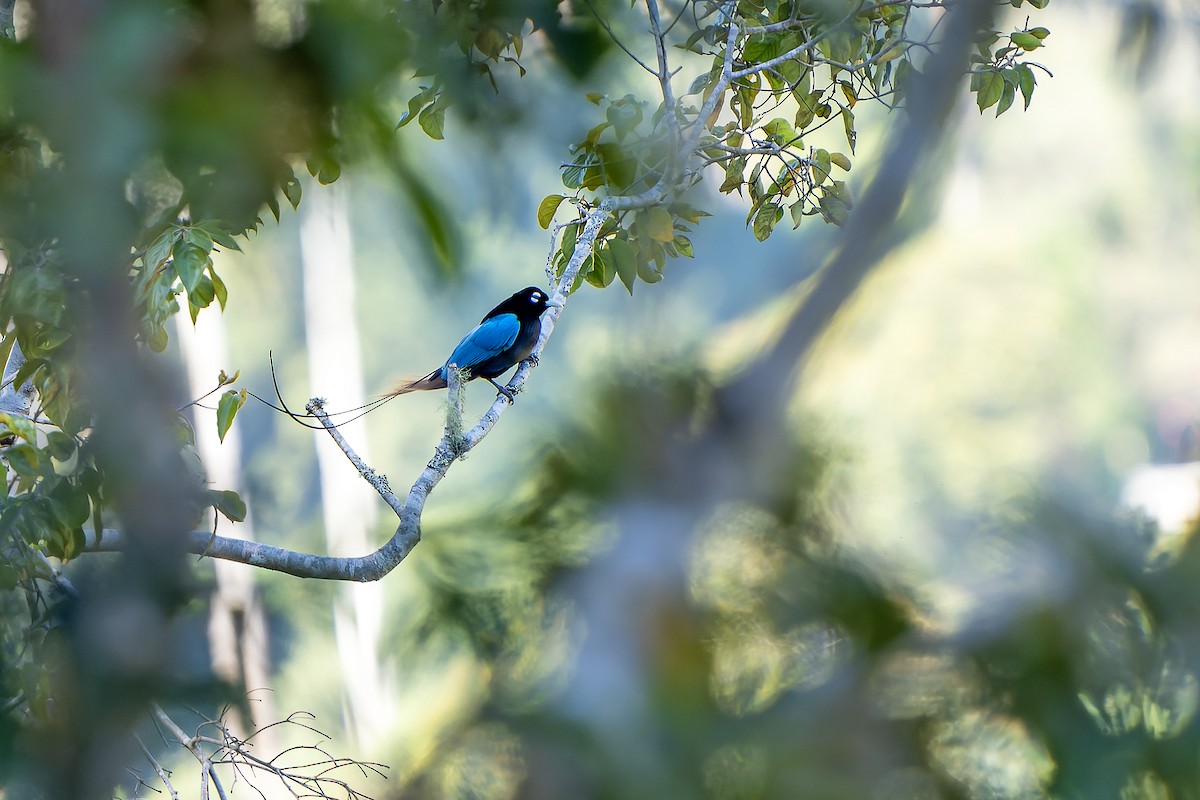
x: 533, y: 360
x: 502, y: 390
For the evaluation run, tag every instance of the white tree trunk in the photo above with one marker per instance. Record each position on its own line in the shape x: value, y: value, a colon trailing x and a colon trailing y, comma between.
x: 237, y: 625
x: 348, y: 504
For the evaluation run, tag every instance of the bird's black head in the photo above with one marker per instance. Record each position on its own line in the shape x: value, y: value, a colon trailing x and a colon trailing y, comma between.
x: 527, y: 304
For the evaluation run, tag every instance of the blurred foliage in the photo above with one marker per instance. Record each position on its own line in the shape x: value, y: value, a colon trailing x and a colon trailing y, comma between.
x: 757, y: 657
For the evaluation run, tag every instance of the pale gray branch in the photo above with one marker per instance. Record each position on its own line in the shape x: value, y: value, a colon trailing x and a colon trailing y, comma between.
x: 16, y: 400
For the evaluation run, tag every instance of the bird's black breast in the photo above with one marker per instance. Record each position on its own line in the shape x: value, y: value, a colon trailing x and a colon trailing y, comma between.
x: 502, y: 362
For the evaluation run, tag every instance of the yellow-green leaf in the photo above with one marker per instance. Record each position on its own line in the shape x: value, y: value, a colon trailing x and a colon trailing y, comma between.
x: 227, y: 408
x: 549, y: 205
x: 765, y: 219
x: 433, y: 121
x: 20, y: 426
x: 1026, y: 41
x: 657, y: 223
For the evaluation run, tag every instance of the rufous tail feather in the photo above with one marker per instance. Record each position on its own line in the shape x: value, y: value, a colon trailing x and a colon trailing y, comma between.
x: 433, y: 380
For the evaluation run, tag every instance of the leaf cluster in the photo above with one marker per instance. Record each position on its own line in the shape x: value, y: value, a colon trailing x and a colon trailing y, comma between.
x: 782, y: 79
x: 1001, y: 72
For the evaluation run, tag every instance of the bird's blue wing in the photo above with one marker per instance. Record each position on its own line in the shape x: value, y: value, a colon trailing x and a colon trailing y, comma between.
x: 489, y: 338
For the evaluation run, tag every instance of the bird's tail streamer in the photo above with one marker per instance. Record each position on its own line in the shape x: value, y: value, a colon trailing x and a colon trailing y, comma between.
x: 358, y: 411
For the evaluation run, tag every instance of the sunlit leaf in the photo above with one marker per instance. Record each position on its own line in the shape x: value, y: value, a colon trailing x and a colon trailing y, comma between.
x: 20, y: 426
x: 219, y: 290
x: 683, y: 245
x: 781, y: 131
x: 1026, y: 41
x: 227, y: 408
x: 433, y: 121
x: 547, y: 208
x: 657, y: 223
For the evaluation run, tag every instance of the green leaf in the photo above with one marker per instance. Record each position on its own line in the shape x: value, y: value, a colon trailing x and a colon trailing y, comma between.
x: 700, y: 82
x: 1027, y: 80
x: 1040, y: 33
x: 602, y: 271
x: 687, y: 213
x: 624, y: 115
x: 848, y: 91
x: 683, y: 245
x: 9, y: 576
x: 765, y: 219
x: 19, y: 426
x: 547, y: 208
x: 416, y: 103
x: 23, y: 459
x: 330, y: 171
x: 734, y: 175
x: 203, y: 294
x: 219, y: 233
x: 991, y: 86
x: 570, y: 235
x: 840, y: 160
x: 227, y: 408
x: 228, y: 503
x: 292, y: 191
x: 617, y: 166
x: 624, y: 261
x: 835, y: 203
x: 156, y: 338
x: 1026, y: 41
x: 657, y: 223
x: 70, y: 504
x: 648, y: 273
x: 6, y: 345
x: 60, y: 445
x: 433, y: 121
x: 190, y: 262
x: 158, y: 252
x: 1006, y: 98
x: 819, y: 165
x: 781, y: 132
x: 574, y: 174
x: 848, y: 125
x: 797, y: 212
x: 199, y: 237
x: 219, y: 290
